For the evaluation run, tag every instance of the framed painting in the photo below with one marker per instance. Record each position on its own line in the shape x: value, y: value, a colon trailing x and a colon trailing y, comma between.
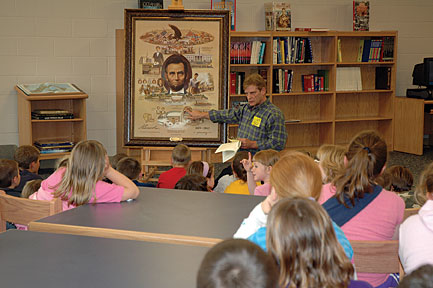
x: 175, y: 61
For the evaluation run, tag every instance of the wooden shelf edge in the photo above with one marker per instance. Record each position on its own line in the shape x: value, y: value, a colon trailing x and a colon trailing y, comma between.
x: 363, y: 91
x: 364, y: 63
x: 363, y: 119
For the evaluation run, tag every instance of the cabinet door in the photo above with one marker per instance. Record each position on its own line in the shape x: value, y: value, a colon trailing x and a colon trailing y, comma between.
x: 409, y: 125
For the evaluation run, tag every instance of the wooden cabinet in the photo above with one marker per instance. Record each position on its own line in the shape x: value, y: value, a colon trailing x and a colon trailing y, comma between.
x: 331, y: 116
x: 31, y: 130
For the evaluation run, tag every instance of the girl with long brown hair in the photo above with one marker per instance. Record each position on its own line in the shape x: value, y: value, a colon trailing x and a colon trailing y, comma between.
x: 353, y: 200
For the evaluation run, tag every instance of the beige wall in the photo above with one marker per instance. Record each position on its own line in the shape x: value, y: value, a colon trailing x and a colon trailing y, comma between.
x: 73, y: 41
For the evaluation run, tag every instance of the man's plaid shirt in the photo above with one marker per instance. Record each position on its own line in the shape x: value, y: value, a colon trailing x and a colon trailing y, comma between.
x: 263, y: 123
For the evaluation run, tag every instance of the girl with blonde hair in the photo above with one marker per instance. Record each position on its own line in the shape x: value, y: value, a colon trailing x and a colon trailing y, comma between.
x: 363, y: 209
x: 80, y: 182
x: 302, y: 241
x: 295, y: 175
x: 331, y: 161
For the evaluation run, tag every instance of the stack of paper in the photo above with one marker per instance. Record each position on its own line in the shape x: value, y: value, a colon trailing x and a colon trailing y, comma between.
x: 229, y: 149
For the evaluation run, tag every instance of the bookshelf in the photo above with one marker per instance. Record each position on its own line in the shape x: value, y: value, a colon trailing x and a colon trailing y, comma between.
x: 332, y: 116
x: 31, y: 130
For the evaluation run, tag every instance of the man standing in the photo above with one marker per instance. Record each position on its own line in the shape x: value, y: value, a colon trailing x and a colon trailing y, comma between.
x: 261, y: 123
x: 176, y: 72
x: 158, y: 58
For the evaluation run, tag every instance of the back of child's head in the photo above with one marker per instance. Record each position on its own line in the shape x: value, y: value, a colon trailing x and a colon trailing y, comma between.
x: 25, y: 155
x: 192, y: 182
x: 86, y: 166
x: 130, y: 167
x: 31, y: 187
x: 331, y: 160
x: 301, y: 238
x: 116, y: 158
x: 422, y: 277
x: 62, y: 162
x: 200, y: 168
x: 8, y: 171
x: 366, y: 156
x: 397, y: 179
x: 181, y: 155
x: 296, y: 175
x: 238, y: 167
x: 425, y: 185
x: 237, y: 263
x: 267, y: 157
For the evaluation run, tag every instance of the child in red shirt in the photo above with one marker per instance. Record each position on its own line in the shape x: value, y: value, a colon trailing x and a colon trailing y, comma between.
x: 180, y: 158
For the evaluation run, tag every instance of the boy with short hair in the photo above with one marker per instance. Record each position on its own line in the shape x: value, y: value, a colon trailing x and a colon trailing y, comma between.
x: 9, y: 174
x: 131, y: 168
x: 27, y: 157
x: 180, y: 158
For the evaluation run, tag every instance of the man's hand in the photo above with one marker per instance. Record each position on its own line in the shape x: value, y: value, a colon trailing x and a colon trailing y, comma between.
x: 196, y: 115
x: 248, y: 144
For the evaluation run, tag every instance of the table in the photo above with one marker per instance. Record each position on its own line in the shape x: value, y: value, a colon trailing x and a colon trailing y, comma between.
x: 34, y: 259
x: 161, y: 215
x: 412, y: 120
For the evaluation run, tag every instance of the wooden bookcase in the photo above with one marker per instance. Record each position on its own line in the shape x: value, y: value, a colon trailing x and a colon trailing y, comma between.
x: 331, y: 117
x: 31, y: 130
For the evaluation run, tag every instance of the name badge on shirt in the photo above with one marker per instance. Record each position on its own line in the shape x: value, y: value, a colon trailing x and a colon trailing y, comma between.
x: 256, y: 121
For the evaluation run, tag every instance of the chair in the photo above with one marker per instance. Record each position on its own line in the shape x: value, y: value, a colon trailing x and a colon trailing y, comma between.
x: 409, y: 212
x: 376, y: 257
x: 23, y: 211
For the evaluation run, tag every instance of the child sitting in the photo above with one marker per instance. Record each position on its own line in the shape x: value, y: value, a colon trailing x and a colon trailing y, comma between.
x: 398, y: 179
x: 204, y: 169
x: 240, y: 185
x: 331, y: 161
x: 9, y: 179
x: 237, y: 263
x: 301, y: 239
x: 227, y: 179
x: 260, y: 171
x: 192, y: 182
x: 294, y: 175
x: 80, y: 182
x: 116, y: 158
x: 31, y: 187
x: 416, y: 232
x: 131, y: 168
x: 27, y: 157
x: 180, y: 158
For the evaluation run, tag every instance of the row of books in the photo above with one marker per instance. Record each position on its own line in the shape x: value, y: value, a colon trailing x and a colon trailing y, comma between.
x: 51, y: 114
x: 316, y: 82
x: 247, y: 52
x: 376, y: 50
x: 282, y: 80
x: 290, y: 50
x: 54, y: 146
x: 237, y: 80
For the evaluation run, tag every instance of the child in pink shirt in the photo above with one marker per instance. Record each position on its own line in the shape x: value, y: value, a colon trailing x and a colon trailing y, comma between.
x: 353, y: 188
x: 80, y: 182
x: 260, y: 170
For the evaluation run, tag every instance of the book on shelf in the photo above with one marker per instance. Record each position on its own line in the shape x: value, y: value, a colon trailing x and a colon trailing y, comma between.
x: 325, y: 75
x: 383, y: 78
x: 47, y: 147
x: 236, y: 82
x: 311, y: 29
x: 361, y: 15
x: 229, y: 149
x: 282, y: 80
x: 387, y: 49
x: 151, y: 4
x: 247, y: 52
x: 53, y: 143
x: 52, y: 117
x: 348, y: 79
x: 339, y: 56
x: 50, y: 111
x: 278, y: 16
x: 290, y: 50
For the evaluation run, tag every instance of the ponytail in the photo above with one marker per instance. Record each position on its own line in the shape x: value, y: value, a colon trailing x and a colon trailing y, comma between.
x: 366, y: 156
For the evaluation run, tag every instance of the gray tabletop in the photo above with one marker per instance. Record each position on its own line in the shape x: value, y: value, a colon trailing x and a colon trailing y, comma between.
x: 34, y: 259
x: 166, y: 211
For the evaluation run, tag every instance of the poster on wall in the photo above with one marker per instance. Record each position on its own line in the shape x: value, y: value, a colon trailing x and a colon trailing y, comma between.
x: 175, y: 61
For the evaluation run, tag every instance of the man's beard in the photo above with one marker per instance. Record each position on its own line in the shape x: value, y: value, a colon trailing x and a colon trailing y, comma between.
x: 176, y: 88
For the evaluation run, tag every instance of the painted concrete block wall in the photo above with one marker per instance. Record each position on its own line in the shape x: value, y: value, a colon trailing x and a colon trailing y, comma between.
x: 73, y: 41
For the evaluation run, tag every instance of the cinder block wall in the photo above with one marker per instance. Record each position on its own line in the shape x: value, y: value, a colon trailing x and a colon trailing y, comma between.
x: 73, y: 41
